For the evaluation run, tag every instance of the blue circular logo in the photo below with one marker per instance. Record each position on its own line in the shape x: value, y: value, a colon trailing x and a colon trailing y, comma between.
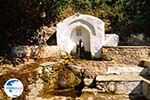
x: 13, y: 87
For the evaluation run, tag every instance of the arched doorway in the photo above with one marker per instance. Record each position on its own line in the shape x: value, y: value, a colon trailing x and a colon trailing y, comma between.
x: 81, y: 34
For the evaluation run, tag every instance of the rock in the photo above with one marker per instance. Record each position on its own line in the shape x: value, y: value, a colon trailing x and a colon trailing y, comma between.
x: 58, y: 75
x: 46, y: 70
x: 35, y: 89
x: 88, y: 82
x: 67, y: 79
x: 111, y: 87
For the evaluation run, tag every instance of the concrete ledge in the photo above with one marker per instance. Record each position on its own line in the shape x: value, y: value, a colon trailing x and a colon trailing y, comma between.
x: 111, y: 40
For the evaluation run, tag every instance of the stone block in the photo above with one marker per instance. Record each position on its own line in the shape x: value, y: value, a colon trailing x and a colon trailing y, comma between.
x: 111, y: 39
x: 88, y: 81
x: 120, y: 87
x: 119, y: 84
x: 101, y: 86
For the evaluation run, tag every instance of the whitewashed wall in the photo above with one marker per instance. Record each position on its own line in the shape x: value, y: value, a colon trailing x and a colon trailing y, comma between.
x: 93, y: 33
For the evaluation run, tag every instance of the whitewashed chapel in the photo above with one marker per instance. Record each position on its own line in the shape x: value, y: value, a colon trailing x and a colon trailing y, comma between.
x: 86, y: 28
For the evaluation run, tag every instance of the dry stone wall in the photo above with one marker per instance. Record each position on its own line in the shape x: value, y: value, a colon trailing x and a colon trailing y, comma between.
x: 42, y: 51
x: 126, y: 54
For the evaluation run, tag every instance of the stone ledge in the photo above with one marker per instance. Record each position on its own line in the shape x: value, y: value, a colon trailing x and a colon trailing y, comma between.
x: 119, y: 78
x: 120, y: 84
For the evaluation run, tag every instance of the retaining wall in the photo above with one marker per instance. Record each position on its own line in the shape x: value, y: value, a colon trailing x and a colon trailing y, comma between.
x: 126, y: 54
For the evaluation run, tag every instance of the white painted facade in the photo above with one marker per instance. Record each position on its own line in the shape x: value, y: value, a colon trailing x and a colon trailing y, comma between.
x: 88, y: 28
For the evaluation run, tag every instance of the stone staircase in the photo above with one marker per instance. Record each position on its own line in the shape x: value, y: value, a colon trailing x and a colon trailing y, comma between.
x: 120, y: 79
x: 113, y: 81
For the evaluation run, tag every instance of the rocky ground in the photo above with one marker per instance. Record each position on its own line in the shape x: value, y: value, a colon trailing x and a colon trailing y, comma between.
x: 58, y: 79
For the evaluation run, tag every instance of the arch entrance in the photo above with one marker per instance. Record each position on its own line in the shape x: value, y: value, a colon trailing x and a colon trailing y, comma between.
x: 80, y: 37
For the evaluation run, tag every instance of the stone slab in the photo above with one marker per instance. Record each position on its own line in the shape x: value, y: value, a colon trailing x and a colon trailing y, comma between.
x: 88, y: 81
x: 120, y: 84
x: 111, y: 39
x: 124, y: 69
x: 118, y: 78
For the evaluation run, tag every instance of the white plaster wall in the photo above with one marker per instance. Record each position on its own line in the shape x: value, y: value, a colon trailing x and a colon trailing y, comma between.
x: 85, y: 38
x: 90, y: 24
x: 111, y: 40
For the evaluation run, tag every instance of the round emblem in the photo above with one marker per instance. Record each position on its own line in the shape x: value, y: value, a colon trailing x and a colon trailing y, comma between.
x: 13, y: 88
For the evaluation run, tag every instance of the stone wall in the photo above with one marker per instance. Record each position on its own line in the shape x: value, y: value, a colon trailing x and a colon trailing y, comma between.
x: 126, y: 54
x: 42, y: 51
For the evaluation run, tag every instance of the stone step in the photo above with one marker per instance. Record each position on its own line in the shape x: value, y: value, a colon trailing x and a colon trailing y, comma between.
x: 90, y: 92
x: 119, y: 84
x: 124, y: 69
x: 122, y: 77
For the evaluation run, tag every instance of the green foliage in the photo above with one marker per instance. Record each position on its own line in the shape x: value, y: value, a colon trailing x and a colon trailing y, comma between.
x: 132, y: 15
x: 20, y: 19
